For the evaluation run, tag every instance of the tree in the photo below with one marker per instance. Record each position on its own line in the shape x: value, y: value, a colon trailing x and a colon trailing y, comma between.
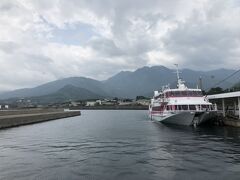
x: 141, y: 97
x: 236, y: 87
x: 115, y: 99
x: 216, y: 90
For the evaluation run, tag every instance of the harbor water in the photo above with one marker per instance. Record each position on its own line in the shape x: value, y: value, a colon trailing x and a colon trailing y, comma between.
x: 118, y: 144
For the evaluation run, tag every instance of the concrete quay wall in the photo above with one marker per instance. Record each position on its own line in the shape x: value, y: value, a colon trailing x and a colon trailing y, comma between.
x: 28, y: 111
x: 232, y: 122
x: 24, y: 119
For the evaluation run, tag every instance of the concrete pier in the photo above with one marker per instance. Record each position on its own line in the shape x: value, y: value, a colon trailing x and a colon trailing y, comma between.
x: 17, y: 118
x: 232, y: 122
x: 229, y: 107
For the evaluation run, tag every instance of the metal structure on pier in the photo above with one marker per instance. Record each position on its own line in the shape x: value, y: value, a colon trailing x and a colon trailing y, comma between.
x: 232, y: 99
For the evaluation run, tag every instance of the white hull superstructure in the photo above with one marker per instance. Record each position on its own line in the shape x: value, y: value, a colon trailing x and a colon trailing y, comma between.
x: 182, y: 106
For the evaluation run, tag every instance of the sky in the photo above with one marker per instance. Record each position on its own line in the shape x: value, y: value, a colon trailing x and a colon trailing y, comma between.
x: 45, y: 40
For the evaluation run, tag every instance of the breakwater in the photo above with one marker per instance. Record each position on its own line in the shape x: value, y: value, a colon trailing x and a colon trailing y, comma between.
x: 17, y: 118
x: 220, y: 120
x: 232, y: 122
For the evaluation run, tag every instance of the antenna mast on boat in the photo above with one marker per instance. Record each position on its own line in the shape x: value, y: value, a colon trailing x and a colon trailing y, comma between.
x: 180, y: 84
x: 178, y: 77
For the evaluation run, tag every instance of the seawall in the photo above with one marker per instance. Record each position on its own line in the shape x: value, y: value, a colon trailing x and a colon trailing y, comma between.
x: 232, y: 122
x: 30, y: 117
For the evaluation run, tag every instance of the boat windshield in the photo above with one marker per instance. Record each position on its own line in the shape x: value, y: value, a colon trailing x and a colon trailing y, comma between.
x: 183, y: 94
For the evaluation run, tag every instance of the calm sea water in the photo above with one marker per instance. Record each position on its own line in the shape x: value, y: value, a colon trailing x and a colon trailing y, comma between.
x: 118, y: 145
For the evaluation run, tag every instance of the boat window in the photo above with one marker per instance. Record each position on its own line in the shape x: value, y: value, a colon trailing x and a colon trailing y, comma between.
x: 185, y: 107
x: 204, y: 106
x: 198, y: 93
x: 184, y: 93
x: 179, y: 107
x: 168, y: 108
x: 167, y: 94
x: 190, y: 93
x: 192, y: 107
x: 174, y: 107
x: 158, y: 108
x: 177, y: 93
x: 195, y: 93
x: 211, y: 107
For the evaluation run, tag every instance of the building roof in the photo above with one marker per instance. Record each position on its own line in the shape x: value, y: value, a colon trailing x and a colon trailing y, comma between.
x: 224, y: 95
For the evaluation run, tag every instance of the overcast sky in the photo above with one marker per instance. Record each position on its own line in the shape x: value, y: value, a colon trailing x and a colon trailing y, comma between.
x: 44, y: 40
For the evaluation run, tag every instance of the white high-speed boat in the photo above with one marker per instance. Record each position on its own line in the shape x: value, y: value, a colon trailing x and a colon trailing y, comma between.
x: 181, y: 106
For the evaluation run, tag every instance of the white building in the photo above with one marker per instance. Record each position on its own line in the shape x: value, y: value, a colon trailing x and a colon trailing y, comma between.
x: 121, y: 103
x: 99, y: 102
x: 144, y: 102
x: 90, y: 103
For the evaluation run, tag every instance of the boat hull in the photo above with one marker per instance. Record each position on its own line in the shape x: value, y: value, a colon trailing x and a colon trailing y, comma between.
x: 204, y: 117
x: 183, y: 118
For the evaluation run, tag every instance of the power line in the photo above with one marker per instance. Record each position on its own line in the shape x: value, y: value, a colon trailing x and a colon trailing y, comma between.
x: 225, y: 79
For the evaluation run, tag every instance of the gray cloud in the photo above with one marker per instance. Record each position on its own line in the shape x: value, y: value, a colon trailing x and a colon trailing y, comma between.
x: 119, y: 35
x: 105, y: 47
x: 8, y: 46
x: 209, y: 41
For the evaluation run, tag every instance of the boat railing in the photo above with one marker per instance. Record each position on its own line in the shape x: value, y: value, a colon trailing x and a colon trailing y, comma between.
x: 197, y: 108
x: 202, y: 110
x: 165, y: 100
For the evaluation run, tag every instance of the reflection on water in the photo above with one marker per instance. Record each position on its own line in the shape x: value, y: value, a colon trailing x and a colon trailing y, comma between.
x: 118, y: 145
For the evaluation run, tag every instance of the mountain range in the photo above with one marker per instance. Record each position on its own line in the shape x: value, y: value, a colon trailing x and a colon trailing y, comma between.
x: 125, y: 84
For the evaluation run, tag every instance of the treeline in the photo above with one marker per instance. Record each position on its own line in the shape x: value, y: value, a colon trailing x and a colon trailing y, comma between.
x: 218, y: 90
